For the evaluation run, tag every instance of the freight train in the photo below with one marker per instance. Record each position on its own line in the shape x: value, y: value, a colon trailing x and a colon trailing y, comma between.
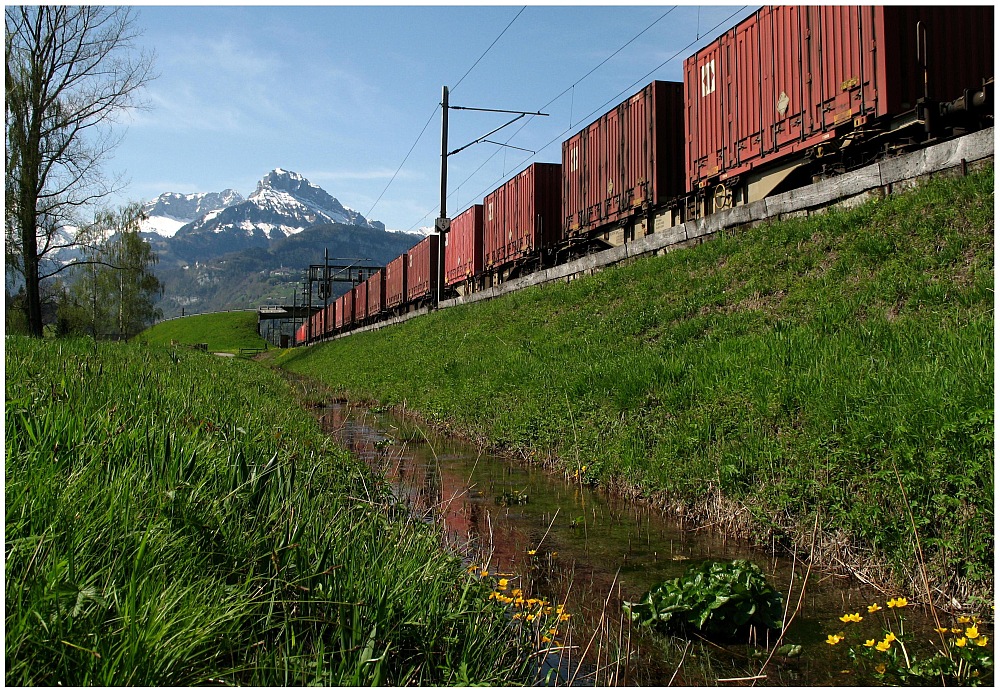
x: 786, y: 97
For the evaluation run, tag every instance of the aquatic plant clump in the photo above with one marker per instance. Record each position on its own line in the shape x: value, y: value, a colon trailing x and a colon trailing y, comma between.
x: 715, y: 599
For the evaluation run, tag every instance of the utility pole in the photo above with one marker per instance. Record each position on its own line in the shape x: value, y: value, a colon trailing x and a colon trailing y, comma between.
x: 443, y: 224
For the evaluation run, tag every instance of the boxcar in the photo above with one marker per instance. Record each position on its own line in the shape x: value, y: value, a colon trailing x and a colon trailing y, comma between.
x: 422, y: 270
x: 521, y: 218
x: 360, y: 292
x: 330, y: 317
x: 345, y: 310
x: 376, y: 294
x: 395, y: 282
x: 316, y: 325
x: 625, y: 163
x: 300, y: 334
x: 463, y: 253
x: 817, y: 81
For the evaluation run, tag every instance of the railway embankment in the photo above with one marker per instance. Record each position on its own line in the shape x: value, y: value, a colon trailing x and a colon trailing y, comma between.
x: 953, y: 157
x: 827, y: 371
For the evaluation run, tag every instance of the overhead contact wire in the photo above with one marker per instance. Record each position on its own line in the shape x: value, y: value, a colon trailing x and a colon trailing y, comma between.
x: 414, y: 146
x: 488, y: 48
x: 638, y: 81
x: 572, y: 87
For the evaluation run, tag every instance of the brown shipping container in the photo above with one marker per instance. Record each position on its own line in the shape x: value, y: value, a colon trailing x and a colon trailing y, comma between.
x: 300, y: 334
x: 331, y: 318
x: 785, y: 78
x: 629, y: 159
x: 376, y: 294
x: 421, y: 274
x: 463, y: 254
x: 521, y: 217
x: 345, y: 310
x: 316, y: 325
x: 360, y: 302
x: 395, y: 282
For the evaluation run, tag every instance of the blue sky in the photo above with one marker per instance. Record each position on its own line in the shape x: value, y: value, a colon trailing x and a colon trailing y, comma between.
x: 340, y: 94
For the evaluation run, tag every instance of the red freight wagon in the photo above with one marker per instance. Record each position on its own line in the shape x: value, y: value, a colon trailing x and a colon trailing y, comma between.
x: 376, y: 294
x: 316, y: 325
x: 816, y: 79
x: 360, y: 292
x: 521, y: 217
x: 331, y: 318
x: 463, y: 253
x: 395, y: 282
x: 625, y: 162
x: 421, y: 274
x: 300, y: 334
x: 345, y: 310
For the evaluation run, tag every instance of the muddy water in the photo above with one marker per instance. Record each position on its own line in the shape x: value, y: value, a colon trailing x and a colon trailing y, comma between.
x: 569, y: 544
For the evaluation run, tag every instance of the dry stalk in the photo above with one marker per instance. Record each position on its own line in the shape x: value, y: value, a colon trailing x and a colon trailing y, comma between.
x: 597, y: 629
x: 920, y: 559
x: 798, y: 606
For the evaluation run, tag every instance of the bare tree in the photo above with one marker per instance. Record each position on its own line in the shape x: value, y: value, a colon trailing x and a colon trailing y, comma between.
x: 71, y: 73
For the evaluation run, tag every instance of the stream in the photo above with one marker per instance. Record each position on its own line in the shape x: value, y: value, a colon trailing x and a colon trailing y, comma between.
x: 563, y: 541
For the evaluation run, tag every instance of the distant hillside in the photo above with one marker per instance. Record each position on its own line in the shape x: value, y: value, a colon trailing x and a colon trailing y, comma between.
x: 270, y: 274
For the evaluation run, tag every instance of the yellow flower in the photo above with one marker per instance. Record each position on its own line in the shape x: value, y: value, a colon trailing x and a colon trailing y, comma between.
x: 897, y: 602
x: 484, y: 573
x: 963, y: 620
x: 880, y: 669
x: 553, y: 631
x: 956, y: 630
x: 546, y: 639
x: 554, y: 553
x: 502, y: 584
x: 942, y: 630
x: 882, y: 646
x: 516, y: 592
x: 564, y: 617
x: 890, y: 637
x: 870, y: 643
x: 851, y: 617
x: 982, y: 641
x: 874, y: 608
x: 832, y: 639
x: 473, y: 568
x: 532, y: 552
x: 960, y: 642
x: 529, y: 617
x: 972, y: 632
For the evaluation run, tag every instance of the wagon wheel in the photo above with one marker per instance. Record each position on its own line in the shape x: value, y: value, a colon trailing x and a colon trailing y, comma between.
x: 723, y: 197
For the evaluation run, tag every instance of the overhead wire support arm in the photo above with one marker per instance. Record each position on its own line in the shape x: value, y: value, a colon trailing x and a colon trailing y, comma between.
x: 443, y: 224
x: 492, y: 132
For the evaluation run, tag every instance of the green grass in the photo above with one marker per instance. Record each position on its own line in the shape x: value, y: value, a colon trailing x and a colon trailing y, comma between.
x: 173, y: 518
x: 791, y: 369
x: 223, y: 331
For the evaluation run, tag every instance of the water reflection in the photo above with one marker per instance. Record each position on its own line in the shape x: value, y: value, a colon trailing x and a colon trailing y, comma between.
x: 565, y: 542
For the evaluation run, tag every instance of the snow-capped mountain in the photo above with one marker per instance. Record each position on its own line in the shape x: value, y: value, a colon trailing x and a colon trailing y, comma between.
x: 171, y: 211
x: 283, y: 204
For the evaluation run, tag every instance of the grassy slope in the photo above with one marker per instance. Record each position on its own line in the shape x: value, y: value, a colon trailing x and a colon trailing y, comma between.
x: 177, y: 519
x: 222, y: 331
x: 757, y: 379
